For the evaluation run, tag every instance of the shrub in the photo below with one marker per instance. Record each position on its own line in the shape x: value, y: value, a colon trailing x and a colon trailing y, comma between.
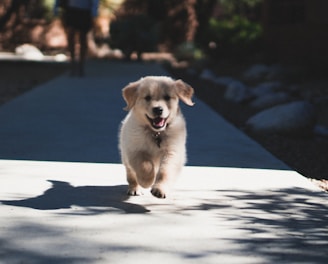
x: 232, y: 37
x: 135, y: 33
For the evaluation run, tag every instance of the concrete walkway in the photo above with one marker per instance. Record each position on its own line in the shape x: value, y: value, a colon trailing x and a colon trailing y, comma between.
x: 62, y: 189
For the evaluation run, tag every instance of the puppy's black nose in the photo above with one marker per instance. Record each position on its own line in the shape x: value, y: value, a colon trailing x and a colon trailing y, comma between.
x: 157, y: 111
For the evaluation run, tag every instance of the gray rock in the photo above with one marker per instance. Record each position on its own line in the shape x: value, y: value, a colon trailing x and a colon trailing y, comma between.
x: 237, y: 92
x: 256, y: 72
x: 267, y: 87
x: 321, y: 131
x: 296, y: 118
x: 270, y: 100
x: 29, y: 52
x: 262, y: 71
x: 224, y: 80
x: 207, y: 75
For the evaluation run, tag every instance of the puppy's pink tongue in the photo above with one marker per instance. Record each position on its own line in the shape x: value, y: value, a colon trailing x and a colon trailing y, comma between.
x: 159, y: 122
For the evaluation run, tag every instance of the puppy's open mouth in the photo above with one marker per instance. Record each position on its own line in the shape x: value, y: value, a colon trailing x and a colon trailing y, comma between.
x: 157, y: 122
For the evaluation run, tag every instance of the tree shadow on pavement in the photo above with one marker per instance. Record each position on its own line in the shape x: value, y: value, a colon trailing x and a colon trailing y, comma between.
x: 62, y: 195
x: 287, y: 225
x: 281, y: 225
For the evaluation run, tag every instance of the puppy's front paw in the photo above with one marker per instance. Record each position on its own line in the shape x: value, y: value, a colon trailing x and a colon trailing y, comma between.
x: 134, y: 191
x: 158, y: 192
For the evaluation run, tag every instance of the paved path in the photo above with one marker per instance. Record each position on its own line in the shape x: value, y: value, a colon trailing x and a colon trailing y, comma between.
x: 73, y: 119
x: 63, y: 199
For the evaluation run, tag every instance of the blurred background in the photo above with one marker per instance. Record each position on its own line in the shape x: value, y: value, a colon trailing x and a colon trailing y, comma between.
x: 244, y: 57
x: 288, y: 30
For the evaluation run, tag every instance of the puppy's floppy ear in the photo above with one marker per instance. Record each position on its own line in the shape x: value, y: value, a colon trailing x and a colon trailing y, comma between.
x: 129, y: 93
x: 185, y: 92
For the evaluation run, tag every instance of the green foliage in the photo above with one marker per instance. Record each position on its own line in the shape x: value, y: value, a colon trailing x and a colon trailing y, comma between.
x: 233, y: 36
x: 235, y: 31
x: 232, y: 6
x: 136, y: 33
x: 188, y: 51
x: 47, y: 6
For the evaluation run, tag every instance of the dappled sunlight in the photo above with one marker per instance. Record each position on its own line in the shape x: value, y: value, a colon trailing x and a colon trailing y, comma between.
x: 252, y: 215
x: 279, y: 223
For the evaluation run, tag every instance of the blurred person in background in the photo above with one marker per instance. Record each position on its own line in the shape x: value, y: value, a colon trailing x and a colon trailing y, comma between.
x: 77, y: 17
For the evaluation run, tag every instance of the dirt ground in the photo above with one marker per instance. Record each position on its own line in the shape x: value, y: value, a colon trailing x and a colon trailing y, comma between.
x: 308, y: 156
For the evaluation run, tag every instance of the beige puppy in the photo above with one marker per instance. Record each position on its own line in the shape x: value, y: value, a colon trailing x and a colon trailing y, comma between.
x: 153, y: 134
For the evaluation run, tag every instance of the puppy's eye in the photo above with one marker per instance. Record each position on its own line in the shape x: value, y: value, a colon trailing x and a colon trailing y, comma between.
x: 148, y: 98
x: 167, y: 98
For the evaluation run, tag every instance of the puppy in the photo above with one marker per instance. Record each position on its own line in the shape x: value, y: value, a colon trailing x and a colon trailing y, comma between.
x: 153, y: 134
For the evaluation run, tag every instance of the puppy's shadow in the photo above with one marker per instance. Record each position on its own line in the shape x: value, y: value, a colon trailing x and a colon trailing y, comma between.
x: 94, y: 199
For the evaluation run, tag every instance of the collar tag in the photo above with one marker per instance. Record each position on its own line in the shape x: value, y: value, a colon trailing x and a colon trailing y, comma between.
x: 157, y: 138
